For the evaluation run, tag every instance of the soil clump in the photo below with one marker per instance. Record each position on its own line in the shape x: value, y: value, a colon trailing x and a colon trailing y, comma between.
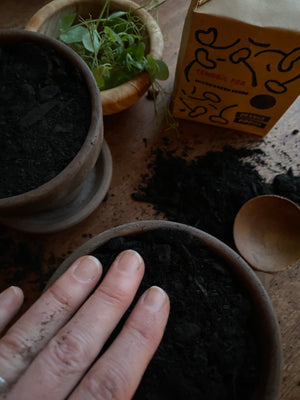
x: 45, y: 115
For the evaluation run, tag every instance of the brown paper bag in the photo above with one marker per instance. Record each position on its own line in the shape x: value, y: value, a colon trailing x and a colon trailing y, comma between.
x: 239, y: 63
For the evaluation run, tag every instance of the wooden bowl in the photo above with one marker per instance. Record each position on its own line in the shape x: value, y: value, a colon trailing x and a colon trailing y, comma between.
x: 265, y: 326
x: 54, y: 205
x: 123, y: 96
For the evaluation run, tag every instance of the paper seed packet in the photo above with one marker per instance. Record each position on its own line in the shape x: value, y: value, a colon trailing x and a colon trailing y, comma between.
x: 239, y: 63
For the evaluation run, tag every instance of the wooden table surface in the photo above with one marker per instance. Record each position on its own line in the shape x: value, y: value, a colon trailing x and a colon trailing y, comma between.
x: 131, y: 135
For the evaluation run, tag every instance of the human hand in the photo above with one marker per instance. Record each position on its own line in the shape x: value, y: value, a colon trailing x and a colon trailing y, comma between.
x: 50, y: 352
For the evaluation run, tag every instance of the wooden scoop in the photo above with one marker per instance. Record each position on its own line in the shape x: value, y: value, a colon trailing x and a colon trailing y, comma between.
x: 267, y: 232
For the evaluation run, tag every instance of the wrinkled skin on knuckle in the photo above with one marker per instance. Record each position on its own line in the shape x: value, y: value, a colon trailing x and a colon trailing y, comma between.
x: 110, y: 384
x: 67, y: 354
x: 114, y: 298
x: 141, y: 330
x: 14, y: 345
x: 60, y: 297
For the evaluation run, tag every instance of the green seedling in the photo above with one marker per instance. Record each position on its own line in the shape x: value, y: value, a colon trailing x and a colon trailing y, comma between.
x: 113, y: 45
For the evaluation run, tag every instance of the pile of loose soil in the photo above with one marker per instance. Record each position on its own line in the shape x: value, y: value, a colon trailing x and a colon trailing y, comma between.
x: 287, y: 185
x: 22, y: 259
x: 209, y: 351
x: 45, y: 115
x: 208, y: 191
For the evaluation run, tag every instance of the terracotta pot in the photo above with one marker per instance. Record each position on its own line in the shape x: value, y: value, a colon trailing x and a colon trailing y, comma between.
x: 121, y: 97
x: 266, y: 325
x: 54, y: 205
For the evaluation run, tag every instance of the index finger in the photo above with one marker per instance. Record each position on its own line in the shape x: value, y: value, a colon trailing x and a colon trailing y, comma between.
x: 49, y: 313
x: 11, y: 300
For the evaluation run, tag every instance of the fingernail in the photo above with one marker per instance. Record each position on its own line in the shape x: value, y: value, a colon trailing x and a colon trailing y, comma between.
x: 17, y: 291
x: 9, y: 294
x: 154, y: 298
x: 129, y: 261
x: 86, y: 269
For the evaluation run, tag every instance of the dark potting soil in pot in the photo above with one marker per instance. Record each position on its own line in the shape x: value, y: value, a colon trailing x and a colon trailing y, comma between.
x: 45, y: 115
x: 209, y: 350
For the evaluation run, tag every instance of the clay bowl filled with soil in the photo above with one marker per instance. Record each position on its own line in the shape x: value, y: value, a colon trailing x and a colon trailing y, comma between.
x: 114, y: 100
x: 55, y: 166
x: 222, y: 339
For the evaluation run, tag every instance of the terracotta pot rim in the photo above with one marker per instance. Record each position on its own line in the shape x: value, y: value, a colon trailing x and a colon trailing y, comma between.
x: 95, y: 129
x: 269, y: 388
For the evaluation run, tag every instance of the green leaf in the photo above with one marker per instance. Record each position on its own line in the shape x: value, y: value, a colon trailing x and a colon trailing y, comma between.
x: 101, y: 74
x: 98, y: 74
x: 126, y: 37
x: 132, y: 63
x: 157, y: 68
x: 151, y: 66
x: 91, y: 41
x: 139, y: 51
x: 163, y: 70
x: 66, y: 22
x: 113, y: 36
x: 74, y: 34
x: 116, y: 14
